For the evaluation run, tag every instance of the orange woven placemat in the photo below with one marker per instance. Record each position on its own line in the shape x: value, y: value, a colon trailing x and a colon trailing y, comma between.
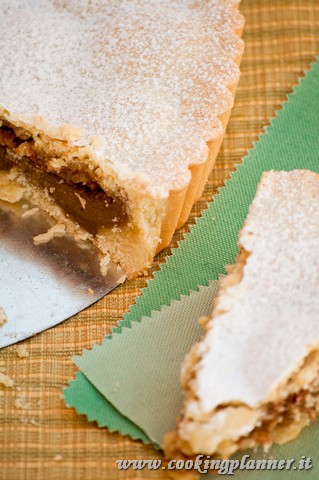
x: 46, y: 440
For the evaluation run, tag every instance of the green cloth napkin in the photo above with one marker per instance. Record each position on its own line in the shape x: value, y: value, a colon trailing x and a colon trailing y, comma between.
x: 156, y: 368
x: 135, y: 371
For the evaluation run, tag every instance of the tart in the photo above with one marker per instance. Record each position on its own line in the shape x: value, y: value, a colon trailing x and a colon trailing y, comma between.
x: 112, y: 113
x: 254, y: 377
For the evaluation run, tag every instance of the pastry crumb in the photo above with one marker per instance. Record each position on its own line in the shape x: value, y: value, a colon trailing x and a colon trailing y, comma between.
x: 35, y: 422
x: 57, y: 230
x: 9, y: 191
x: 6, y: 381
x: 29, y: 213
x: 3, y: 317
x: 121, y: 280
x: 22, y: 351
x: 90, y: 291
x: 58, y: 457
x: 83, y: 245
x: 81, y: 200
x: 57, y: 164
x: 22, y: 403
x: 104, y: 265
x: 29, y: 421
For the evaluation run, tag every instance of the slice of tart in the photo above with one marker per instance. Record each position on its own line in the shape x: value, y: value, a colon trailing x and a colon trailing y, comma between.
x: 112, y: 112
x: 254, y: 377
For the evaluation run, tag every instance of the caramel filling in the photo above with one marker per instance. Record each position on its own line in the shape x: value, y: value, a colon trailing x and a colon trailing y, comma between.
x: 92, y: 209
x: 85, y: 201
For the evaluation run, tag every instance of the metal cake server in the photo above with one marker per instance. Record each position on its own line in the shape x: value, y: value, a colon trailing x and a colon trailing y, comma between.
x: 40, y: 286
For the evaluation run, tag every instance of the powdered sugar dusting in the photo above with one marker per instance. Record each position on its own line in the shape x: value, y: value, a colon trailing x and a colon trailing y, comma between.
x: 148, y: 76
x: 270, y: 318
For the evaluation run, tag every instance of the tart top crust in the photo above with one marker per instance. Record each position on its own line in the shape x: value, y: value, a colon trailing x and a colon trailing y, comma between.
x: 266, y: 322
x: 138, y: 83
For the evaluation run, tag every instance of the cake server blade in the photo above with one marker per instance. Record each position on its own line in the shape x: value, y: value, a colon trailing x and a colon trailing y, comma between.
x: 42, y: 285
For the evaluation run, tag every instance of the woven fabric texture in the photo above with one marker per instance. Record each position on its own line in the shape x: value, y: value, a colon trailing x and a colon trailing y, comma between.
x: 46, y: 440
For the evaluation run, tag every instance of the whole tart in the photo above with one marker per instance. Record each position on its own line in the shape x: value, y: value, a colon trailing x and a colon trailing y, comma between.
x: 112, y: 112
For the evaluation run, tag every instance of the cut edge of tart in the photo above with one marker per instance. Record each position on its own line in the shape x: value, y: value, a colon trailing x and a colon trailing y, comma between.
x: 116, y: 166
